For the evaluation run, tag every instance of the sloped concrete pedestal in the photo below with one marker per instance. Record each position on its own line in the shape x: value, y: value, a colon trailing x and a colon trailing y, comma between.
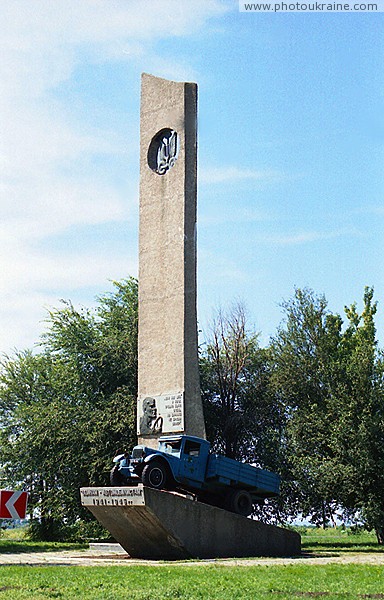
x: 157, y: 524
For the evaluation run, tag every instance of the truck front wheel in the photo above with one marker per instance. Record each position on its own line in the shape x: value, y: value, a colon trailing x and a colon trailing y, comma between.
x: 154, y: 475
x: 116, y: 478
x: 240, y: 502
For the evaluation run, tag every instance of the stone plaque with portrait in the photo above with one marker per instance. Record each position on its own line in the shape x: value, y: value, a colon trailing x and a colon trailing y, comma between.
x: 160, y: 414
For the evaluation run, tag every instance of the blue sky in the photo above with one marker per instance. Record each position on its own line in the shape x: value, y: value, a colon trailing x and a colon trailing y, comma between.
x: 291, y: 131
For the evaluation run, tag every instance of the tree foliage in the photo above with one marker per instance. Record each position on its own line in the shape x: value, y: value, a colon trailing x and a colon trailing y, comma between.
x: 65, y: 410
x: 309, y: 406
x: 329, y: 376
x: 243, y: 419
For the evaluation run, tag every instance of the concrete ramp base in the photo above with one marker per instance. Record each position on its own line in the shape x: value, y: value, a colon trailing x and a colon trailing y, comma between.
x: 157, y: 524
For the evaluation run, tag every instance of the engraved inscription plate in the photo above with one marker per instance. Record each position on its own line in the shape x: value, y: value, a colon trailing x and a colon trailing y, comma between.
x: 160, y: 414
x: 113, y: 496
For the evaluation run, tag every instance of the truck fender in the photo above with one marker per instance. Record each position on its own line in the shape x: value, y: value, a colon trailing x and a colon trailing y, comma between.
x: 159, y: 458
x: 155, y: 456
x: 118, y: 458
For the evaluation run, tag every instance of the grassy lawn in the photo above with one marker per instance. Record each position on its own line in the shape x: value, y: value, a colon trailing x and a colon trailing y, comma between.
x: 338, y: 540
x: 193, y: 582
x: 204, y: 581
x: 16, y: 540
x: 11, y: 546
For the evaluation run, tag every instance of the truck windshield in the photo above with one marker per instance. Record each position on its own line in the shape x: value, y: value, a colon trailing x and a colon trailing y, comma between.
x: 171, y: 447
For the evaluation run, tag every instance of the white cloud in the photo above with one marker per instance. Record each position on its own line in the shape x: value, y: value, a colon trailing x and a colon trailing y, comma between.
x: 45, y: 208
x: 240, y: 215
x: 222, y: 267
x: 61, y: 272
x: 48, y: 182
x: 308, y: 237
x: 232, y: 173
x: 33, y: 281
x: 371, y: 210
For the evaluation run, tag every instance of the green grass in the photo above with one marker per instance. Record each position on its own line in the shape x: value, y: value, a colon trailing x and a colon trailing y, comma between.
x: 16, y: 540
x: 17, y: 533
x: 203, y: 582
x: 338, y: 540
x: 14, y: 546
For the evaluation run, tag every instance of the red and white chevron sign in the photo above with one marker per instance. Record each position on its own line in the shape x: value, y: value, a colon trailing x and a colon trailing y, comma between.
x: 13, y: 505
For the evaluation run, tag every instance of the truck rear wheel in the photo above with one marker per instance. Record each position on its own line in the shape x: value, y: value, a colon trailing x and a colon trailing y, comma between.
x: 154, y: 475
x: 239, y: 502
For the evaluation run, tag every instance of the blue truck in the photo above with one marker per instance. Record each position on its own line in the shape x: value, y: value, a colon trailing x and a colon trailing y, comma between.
x: 186, y: 464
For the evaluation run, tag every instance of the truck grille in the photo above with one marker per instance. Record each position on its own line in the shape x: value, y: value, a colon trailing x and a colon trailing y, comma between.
x: 137, y: 453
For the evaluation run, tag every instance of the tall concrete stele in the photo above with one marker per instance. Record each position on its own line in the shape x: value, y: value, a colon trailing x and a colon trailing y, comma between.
x: 151, y: 523
x: 169, y: 398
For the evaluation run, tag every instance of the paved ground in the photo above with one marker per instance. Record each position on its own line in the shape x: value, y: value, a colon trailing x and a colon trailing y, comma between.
x: 92, y: 558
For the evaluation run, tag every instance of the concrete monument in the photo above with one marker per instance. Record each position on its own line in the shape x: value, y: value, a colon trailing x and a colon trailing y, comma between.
x: 148, y: 522
x: 163, y: 525
x: 168, y: 388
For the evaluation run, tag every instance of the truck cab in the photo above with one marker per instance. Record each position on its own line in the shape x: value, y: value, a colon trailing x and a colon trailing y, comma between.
x: 179, y: 459
x: 191, y: 454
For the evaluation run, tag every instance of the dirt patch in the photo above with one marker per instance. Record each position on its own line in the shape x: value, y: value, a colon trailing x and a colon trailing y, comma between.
x: 86, y: 558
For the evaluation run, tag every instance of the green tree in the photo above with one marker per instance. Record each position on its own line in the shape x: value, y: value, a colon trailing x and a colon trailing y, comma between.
x: 330, y: 381
x: 66, y: 410
x: 305, y: 355
x: 243, y: 419
x: 360, y: 434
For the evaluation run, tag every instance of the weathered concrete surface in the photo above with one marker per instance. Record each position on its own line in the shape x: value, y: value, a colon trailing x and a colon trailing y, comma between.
x: 106, y: 548
x: 165, y: 525
x: 167, y: 345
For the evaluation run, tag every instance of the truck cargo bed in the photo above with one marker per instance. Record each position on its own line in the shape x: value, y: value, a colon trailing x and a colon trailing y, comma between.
x: 230, y: 472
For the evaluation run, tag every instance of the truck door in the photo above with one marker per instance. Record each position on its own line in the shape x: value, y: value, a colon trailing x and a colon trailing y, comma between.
x: 192, y: 463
